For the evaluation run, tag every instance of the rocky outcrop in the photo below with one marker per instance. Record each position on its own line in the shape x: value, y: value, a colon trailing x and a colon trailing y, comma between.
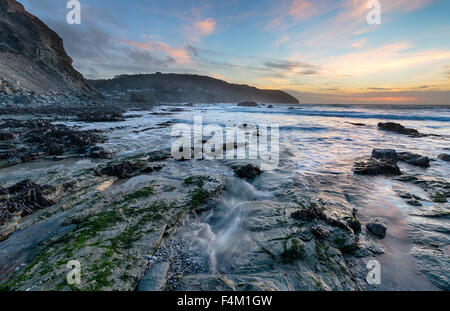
x: 385, y: 155
x: 384, y: 162
x: 182, y: 88
x: 414, y: 159
x: 32, y: 139
x: 376, y: 167
x: 32, y: 56
x: 122, y: 170
x: 399, y: 129
x: 444, y: 157
x: 20, y: 200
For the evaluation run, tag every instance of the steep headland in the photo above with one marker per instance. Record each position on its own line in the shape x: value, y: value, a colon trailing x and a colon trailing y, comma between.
x: 178, y: 88
x: 32, y: 57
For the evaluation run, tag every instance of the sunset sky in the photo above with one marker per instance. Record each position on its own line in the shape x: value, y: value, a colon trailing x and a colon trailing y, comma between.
x: 320, y: 51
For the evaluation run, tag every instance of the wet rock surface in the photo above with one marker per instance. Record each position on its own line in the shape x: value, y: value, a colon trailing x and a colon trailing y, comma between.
x: 399, y: 129
x: 377, y: 227
x: 39, y: 138
x: 444, y: 157
x: 20, y: 200
x: 414, y: 159
x: 375, y: 167
x: 385, y: 155
x: 248, y: 171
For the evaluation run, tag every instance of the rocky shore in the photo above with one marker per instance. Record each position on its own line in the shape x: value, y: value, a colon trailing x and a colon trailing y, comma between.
x: 134, y: 228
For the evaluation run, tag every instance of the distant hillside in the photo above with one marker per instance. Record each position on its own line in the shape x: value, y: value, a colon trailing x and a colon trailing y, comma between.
x: 176, y: 88
x: 32, y: 56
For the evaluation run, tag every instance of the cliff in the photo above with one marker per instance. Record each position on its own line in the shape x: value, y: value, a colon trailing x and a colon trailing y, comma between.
x: 32, y: 56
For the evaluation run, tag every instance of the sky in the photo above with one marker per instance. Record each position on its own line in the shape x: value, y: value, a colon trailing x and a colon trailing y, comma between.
x: 318, y: 50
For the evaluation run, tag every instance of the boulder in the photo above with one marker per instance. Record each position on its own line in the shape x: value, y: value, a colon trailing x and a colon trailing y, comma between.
x: 376, y: 167
x: 377, y: 227
x: 248, y: 171
x: 399, y: 129
x: 444, y: 157
x: 385, y: 155
x: 414, y: 159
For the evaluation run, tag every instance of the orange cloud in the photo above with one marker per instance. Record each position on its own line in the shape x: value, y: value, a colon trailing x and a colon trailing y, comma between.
x: 360, y: 43
x: 390, y: 57
x: 205, y: 27
x: 302, y: 9
x: 179, y: 54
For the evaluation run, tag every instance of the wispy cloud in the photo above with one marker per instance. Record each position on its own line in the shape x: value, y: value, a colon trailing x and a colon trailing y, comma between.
x: 180, y: 55
x: 285, y: 38
x: 360, y: 43
x: 205, y: 27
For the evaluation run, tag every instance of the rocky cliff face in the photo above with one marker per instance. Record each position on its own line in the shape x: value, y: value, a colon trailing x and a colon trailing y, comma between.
x: 32, y: 56
x: 177, y: 88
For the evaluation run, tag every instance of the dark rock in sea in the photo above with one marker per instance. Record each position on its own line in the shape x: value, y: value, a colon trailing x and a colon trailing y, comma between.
x: 400, y: 129
x: 248, y: 104
x: 270, y: 106
x: 414, y: 159
x: 7, y: 136
x: 165, y: 124
x: 376, y: 167
x: 385, y: 155
x: 444, y: 157
x: 377, y: 227
x: 414, y: 202
x: 357, y: 124
x: 248, y: 171
x: 125, y: 169
x: 98, y: 152
x: 439, y: 198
